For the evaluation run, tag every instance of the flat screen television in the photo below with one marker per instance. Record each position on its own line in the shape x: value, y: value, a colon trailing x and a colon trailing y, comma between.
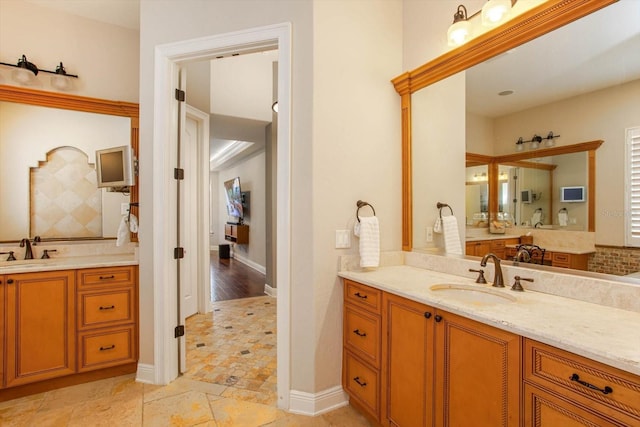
x: 526, y: 196
x: 114, y: 167
x: 572, y: 194
x: 233, y: 193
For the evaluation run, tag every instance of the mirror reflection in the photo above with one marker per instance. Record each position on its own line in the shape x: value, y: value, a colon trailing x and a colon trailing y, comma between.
x: 580, y: 84
x: 50, y: 189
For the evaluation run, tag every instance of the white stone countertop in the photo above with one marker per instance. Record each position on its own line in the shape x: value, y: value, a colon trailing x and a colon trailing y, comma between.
x: 495, y: 236
x: 605, y: 334
x: 67, y: 263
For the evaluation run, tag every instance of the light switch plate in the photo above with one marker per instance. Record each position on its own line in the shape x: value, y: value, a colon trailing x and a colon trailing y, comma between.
x: 429, y: 234
x: 343, y: 239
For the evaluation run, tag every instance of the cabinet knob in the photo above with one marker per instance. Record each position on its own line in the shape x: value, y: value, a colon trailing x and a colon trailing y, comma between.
x: 438, y: 318
x: 427, y: 315
x: 9, y: 281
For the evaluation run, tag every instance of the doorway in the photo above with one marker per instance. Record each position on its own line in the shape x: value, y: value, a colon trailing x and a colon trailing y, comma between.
x: 168, y: 60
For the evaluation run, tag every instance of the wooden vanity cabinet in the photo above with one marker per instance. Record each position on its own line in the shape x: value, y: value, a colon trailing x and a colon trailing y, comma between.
x: 564, y: 389
x: 65, y: 323
x: 40, y: 331
x: 361, y: 377
x: 107, y: 317
x: 497, y: 246
x: 442, y: 369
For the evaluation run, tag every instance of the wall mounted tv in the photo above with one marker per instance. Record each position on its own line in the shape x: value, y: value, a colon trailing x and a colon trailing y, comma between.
x: 233, y: 193
x: 115, y: 168
x: 572, y: 194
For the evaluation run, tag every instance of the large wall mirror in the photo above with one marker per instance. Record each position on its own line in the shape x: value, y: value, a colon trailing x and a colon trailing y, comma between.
x: 581, y: 112
x: 47, y: 164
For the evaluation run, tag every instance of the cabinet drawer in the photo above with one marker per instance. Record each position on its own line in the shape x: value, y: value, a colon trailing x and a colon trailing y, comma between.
x: 497, y: 244
x: 560, y: 259
x: 107, y: 308
x: 363, y: 296
x: 362, y: 334
x: 361, y: 382
x: 106, y: 348
x: 610, y: 391
x: 97, y: 277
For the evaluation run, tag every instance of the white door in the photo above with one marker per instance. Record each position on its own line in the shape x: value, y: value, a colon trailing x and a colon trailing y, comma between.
x: 188, y: 221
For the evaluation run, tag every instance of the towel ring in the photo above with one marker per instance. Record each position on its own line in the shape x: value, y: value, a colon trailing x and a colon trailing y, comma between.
x: 443, y: 205
x: 361, y: 204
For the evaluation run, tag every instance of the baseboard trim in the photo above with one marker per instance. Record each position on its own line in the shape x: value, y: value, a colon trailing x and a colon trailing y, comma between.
x: 272, y: 292
x: 248, y: 262
x: 146, y: 374
x: 311, y: 404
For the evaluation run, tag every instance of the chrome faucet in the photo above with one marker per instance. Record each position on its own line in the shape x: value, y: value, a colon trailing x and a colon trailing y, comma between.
x: 521, y: 255
x: 498, y: 281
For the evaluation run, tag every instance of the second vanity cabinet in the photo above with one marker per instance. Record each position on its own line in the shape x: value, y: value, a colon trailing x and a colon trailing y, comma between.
x: 59, y: 323
x: 437, y: 362
x: 497, y: 246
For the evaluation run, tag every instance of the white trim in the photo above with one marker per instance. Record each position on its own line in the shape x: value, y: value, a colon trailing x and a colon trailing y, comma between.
x: 319, y: 403
x: 246, y: 261
x: 166, y: 59
x: 632, y: 187
x: 272, y: 292
x: 146, y: 373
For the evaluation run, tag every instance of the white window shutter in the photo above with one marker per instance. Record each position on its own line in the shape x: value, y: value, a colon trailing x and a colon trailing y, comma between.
x: 632, y: 188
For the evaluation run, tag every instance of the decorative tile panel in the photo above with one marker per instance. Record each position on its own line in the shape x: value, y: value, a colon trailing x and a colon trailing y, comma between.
x: 65, y: 199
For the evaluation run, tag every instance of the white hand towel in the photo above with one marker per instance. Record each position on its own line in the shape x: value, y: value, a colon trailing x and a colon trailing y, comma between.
x: 536, y: 218
x: 369, y: 231
x: 563, y: 218
x: 451, y: 235
x: 123, y: 231
x: 133, y: 223
x: 437, y: 226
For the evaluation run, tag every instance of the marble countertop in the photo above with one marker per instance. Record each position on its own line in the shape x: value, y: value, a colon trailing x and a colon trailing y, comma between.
x: 491, y: 237
x: 67, y: 263
x: 605, y: 334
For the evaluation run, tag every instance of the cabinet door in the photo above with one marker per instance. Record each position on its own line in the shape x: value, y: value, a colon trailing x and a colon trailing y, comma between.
x: 477, y: 369
x: 3, y: 284
x: 542, y: 409
x: 40, y: 326
x: 409, y: 331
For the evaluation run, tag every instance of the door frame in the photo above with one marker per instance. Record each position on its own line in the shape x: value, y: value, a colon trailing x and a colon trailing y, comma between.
x: 167, y: 60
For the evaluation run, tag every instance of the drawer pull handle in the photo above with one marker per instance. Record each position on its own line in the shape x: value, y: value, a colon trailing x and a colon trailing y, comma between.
x: 110, y: 307
x: 111, y: 347
x: 605, y: 390
x: 360, y: 383
x: 107, y: 277
x: 360, y: 334
x: 359, y: 295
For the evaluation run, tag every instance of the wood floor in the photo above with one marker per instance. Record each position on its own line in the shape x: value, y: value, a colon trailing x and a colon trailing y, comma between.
x: 231, y: 279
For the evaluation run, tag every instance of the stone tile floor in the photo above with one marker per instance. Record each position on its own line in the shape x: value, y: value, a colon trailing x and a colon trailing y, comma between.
x: 241, y: 393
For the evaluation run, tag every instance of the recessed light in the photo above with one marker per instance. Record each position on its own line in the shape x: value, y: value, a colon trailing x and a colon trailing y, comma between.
x: 505, y: 92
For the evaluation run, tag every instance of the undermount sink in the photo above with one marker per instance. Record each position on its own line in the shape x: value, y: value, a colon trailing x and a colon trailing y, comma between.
x: 473, y: 294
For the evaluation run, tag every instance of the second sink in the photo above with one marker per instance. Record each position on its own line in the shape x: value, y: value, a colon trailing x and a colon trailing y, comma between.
x: 473, y: 294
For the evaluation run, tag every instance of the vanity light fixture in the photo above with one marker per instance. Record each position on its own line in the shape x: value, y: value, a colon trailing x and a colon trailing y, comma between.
x: 550, y: 139
x: 536, y: 140
x: 460, y: 31
x: 494, y: 12
x: 26, y: 72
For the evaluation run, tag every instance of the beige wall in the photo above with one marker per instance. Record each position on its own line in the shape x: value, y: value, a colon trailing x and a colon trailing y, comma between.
x: 345, y: 146
x: 104, y: 56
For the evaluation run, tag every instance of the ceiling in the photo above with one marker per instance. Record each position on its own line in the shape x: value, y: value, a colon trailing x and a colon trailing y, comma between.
x: 123, y: 13
x: 569, y: 61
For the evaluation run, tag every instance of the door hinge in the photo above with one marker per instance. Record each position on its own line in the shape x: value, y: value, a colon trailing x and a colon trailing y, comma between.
x: 180, y: 95
x: 178, y: 253
x: 179, y: 331
x: 178, y: 173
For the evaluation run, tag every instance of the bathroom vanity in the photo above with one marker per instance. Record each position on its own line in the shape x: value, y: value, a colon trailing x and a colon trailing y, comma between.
x: 421, y: 343
x: 67, y: 321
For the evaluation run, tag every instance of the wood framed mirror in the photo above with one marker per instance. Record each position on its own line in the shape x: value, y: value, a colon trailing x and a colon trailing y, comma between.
x: 63, y: 101
x: 538, y: 21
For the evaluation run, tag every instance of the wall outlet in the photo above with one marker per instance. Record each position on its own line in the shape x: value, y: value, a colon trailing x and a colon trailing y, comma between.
x: 343, y: 239
x: 124, y: 208
x: 429, y: 234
